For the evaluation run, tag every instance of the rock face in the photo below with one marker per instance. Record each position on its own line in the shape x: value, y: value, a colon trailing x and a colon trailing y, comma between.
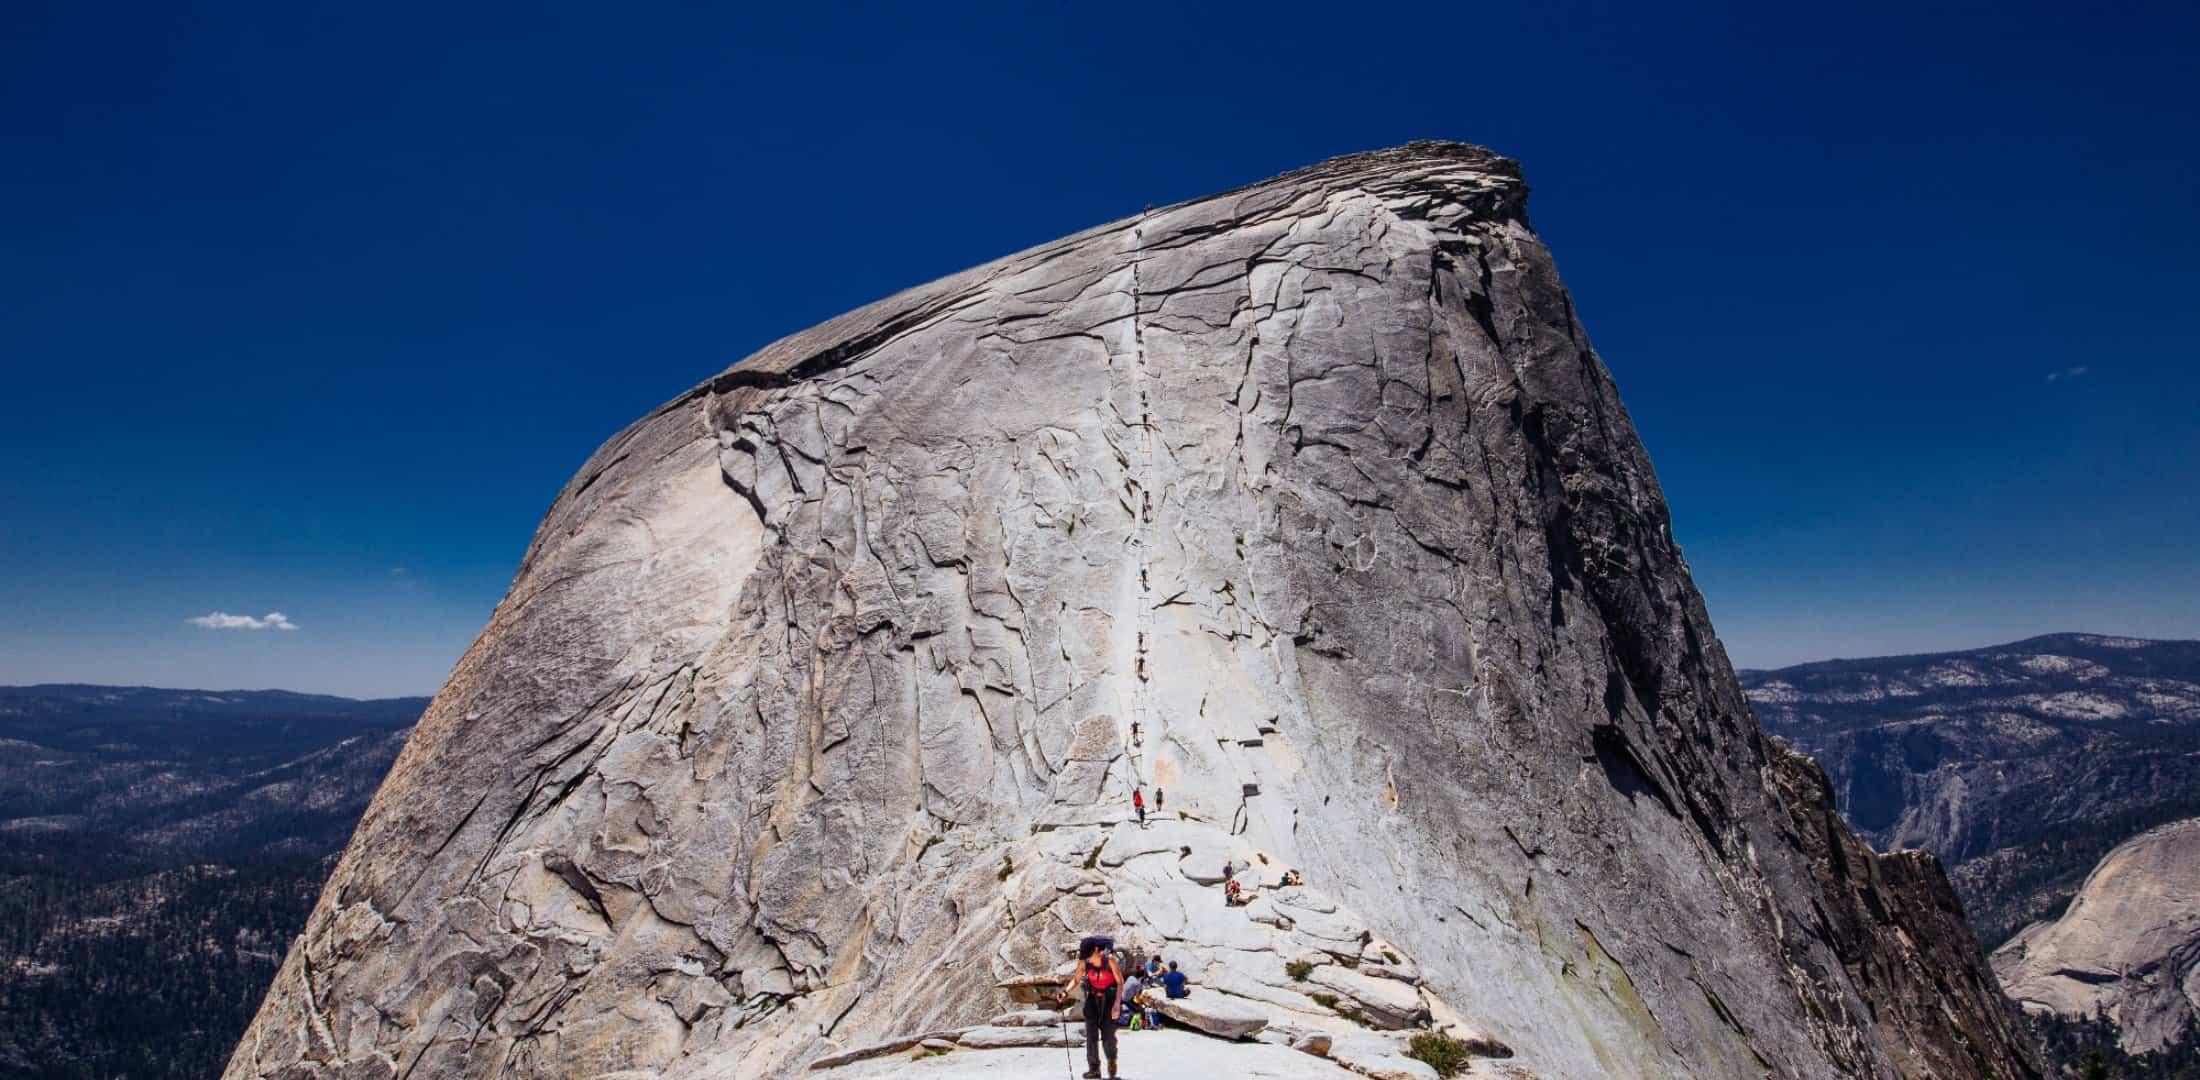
x: 1897, y: 927
x: 807, y: 722
x: 2127, y: 948
x: 2019, y: 764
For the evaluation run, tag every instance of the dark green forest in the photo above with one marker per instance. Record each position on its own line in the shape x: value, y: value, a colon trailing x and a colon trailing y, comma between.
x: 159, y: 849
x: 2086, y: 1048
x: 151, y: 976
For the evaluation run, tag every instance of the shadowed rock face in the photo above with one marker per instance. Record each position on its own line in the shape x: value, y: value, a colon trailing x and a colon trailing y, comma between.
x: 806, y: 722
x: 2128, y: 947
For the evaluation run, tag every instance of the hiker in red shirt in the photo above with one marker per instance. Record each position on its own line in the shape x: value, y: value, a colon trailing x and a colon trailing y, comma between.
x: 1103, y: 998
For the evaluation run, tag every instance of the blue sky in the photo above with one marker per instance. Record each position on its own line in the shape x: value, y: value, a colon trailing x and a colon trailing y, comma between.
x: 311, y: 308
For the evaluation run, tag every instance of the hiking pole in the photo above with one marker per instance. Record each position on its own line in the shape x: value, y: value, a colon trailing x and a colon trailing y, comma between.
x: 1061, y: 1019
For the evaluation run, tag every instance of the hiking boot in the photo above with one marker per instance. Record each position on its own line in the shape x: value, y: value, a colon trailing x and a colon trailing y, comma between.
x: 1111, y: 1070
x: 1092, y: 1074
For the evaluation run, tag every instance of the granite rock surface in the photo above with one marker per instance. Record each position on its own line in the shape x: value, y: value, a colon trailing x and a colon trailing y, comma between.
x: 2127, y: 948
x: 807, y: 722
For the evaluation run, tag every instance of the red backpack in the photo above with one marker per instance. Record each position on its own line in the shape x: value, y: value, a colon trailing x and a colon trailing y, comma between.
x: 1099, y: 980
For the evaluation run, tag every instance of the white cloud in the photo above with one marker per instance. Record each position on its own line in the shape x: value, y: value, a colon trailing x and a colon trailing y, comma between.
x: 222, y: 620
x: 2067, y: 373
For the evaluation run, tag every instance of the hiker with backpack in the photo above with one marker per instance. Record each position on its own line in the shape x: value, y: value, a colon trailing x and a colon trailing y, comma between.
x: 1103, y: 982
x: 1138, y: 803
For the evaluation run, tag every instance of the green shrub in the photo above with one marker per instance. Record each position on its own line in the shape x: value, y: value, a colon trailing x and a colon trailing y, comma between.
x: 1299, y: 969
x: 1008, y: 866
x: 1326, y: 1001
x: 1446, y: 1055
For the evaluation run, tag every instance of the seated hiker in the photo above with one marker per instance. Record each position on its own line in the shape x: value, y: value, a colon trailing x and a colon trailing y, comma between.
x: 1233, y: 894
x: 1143, y: 1016
x: 1132, y: 987
x: 1290, y: 878
x: 1153, y: 969
x: 1173, y: 983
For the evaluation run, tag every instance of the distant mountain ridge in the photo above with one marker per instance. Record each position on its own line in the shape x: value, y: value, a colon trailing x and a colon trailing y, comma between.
x: 158, y: 850
x: 72, y: 716
x: 2020, y: 765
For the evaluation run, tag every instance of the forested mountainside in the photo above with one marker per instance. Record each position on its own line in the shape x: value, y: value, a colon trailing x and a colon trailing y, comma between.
x: 158, y: 851
x: 2020, y: 765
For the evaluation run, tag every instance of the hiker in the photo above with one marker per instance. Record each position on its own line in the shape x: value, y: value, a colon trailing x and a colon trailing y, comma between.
x: 1233, y: 893
x: 1132, y: 987
x: 1138, y: 997
x: 1290, y: 878
x: 1153, y: 990
x: 1158, y: 796
x: 1173, y: 982
x: 1138, y: 803
x: 1136, y: 738
x: 1103, y: 980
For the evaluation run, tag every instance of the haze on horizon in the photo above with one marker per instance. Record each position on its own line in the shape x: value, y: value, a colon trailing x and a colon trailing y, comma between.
x: 310, y: 312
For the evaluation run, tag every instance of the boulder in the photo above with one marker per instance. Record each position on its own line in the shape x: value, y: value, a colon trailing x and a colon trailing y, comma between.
x: 1282, y: 991
x: 1383, y: 1002
x: 1029, y: 1018
x: 1379, y: 1058
x: 990, y: 1037
x: 1216, y: 1014
x: 1033, y: 989
x: 1446, y: 1020
x: 881, y: 1049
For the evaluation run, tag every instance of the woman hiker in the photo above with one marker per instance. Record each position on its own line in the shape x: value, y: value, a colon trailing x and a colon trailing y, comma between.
x: 1103, y: 998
